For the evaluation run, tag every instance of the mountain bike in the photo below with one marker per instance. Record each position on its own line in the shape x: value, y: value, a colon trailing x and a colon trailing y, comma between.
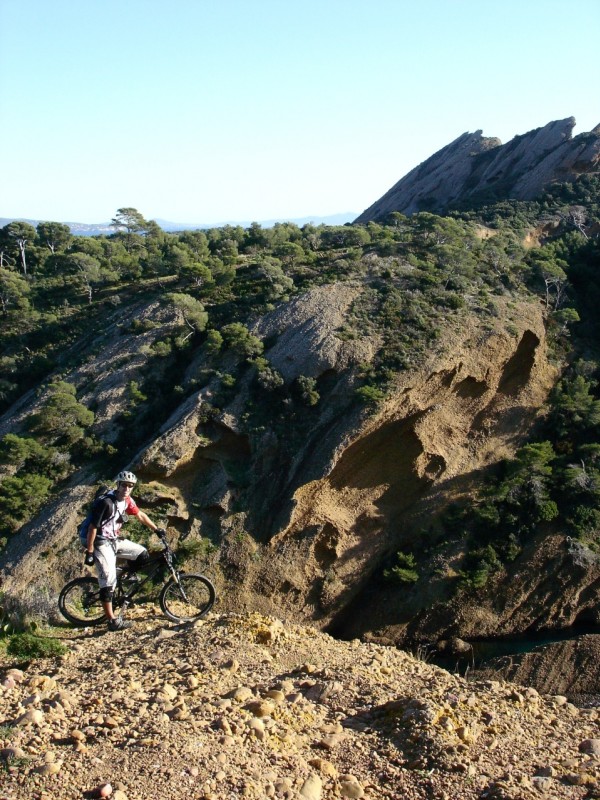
x: 183, y: 598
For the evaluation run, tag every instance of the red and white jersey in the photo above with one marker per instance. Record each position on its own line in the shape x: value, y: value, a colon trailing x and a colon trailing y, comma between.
x: 108, y: 514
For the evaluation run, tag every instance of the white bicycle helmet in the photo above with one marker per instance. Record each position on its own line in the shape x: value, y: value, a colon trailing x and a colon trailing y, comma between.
x: 126, y: 477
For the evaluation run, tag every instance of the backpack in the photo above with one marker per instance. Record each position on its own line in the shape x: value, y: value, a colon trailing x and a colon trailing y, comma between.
x: 101, y: 493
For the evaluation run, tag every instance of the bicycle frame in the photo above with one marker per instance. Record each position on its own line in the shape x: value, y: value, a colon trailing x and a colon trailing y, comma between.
x: 166, y: 558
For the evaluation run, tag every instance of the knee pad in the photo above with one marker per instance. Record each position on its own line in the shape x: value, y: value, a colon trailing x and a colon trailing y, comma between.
x: 106, y: 594
x: 140, y: 561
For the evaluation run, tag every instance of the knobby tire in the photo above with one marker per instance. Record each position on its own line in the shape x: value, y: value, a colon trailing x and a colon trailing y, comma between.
x: 79, y: 602
x: 198, y: 600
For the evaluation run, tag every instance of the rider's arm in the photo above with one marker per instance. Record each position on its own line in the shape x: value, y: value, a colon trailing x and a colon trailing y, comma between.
x: 145, y: 520
x: 91, y: 538
x: 133, y: 509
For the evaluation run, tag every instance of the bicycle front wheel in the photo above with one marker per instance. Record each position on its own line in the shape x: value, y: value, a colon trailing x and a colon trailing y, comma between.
x: 187, y: 599
x: 79, y: 602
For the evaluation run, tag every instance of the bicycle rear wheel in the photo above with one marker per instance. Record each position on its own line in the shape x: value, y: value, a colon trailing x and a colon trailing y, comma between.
x: 190, y: 598
x: 79, y: 602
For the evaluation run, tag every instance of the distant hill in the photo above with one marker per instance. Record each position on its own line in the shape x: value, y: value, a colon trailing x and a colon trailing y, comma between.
x: 77, y: 228
x: 105, y: 228
x: 473, y: 170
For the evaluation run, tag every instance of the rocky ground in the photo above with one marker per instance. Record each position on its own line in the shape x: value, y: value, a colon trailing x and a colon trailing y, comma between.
x: 243, y: 706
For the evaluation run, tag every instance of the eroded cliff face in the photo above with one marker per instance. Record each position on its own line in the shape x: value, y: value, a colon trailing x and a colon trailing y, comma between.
x: 474, y: 167
x: 429, y: 446
x: 302, y: 527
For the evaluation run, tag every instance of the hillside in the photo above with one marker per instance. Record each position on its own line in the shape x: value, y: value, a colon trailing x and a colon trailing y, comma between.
x: 474, y: 170
x: 386, y: 431
x: 241, y: 706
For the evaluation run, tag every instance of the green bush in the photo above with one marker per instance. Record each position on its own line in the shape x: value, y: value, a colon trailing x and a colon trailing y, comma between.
x: 479, y: 566
x: 548, y: 510
x: 162, y: 349
x: 62, y: 418
x: 370, y: 395
x: 475, y: 578
x: 135, y: 394
x: 308, y: 390
x: 137, y: 326
x: 213, y: 343
x: 28, y: 645
x: 239, y: 339
x: 584, y: 523
x: 405, y: 569
x: 20, y: 498
x: 267, y: 376
x: 190, y: 549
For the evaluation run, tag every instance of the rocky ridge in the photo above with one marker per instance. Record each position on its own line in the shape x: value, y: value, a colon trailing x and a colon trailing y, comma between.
x: 240, y: 705
x: 475, y: 167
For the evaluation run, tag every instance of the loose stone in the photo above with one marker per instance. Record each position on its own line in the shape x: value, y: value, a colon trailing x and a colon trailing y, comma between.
x: 32, y: 717
x: 351, y: 789
x: 260, y: 708
x: 52, y: 768
x: 590, y: 746
x: 312, y: 788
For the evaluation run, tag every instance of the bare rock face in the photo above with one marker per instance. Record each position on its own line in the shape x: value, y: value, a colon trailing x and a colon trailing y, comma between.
x: 467, y: 409
x: 305, y: 331
x: 476, y: 167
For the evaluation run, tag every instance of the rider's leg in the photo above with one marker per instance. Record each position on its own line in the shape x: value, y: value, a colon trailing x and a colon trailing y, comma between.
x: 106, y: 569
x: 134, y: 553
x: 106, y: 596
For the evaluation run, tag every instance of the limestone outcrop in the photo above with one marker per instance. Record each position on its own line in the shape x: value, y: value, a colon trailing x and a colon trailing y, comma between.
x: 474, y: 168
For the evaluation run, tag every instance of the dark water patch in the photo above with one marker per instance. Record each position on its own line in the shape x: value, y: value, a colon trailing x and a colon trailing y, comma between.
x: 481, y: 652
x: 507, y: 660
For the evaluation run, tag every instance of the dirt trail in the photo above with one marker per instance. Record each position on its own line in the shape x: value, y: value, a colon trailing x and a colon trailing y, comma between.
x: 243, y: 706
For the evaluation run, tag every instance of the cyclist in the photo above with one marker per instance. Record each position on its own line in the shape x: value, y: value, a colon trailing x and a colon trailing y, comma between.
x: 104, y: 544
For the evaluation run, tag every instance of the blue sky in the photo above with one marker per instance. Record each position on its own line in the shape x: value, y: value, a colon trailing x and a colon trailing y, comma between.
x: 205, y: 111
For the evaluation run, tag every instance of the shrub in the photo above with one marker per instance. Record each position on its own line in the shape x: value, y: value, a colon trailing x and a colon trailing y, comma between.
x: 405, y: 569
x: 136, y: 396
x: 137, y: 326
x: 479, y: 565
x: 268, y: 377
x: 370, y: 395
x: 308, y: 390
x: 162, y: 349
x: 62, y: 417
x: 584, y: 522
x: 190, y: 549
x: 20, y: 499
x: 28, y: 645
x: 213, y: 343
x: 548, y: 510
x: 241, y: 341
